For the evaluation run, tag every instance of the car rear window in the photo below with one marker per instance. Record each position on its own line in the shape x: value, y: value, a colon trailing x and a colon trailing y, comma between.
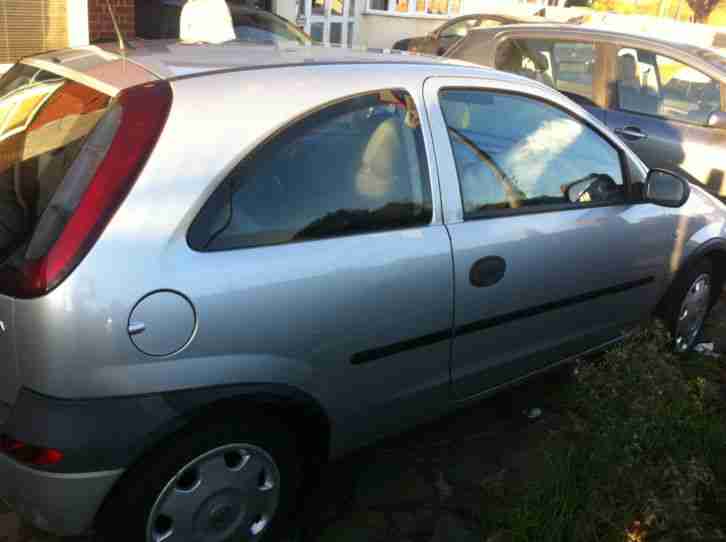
x: 44, y: 120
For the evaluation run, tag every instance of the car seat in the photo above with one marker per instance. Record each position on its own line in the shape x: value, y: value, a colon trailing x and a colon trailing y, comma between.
x: 631, y: 94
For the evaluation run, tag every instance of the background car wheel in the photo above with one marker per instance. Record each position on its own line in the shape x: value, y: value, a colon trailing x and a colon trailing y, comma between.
x: 211, y: 483
x: 688, y: 304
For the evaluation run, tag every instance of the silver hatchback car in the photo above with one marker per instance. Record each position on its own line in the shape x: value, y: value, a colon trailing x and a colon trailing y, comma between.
x: 226, y: 264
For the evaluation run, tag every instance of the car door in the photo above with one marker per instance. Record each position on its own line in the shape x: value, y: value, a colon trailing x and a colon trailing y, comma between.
x: 661, y: 108
x: 574, y: 67
x: 536, y: 278
x: 333, y: 268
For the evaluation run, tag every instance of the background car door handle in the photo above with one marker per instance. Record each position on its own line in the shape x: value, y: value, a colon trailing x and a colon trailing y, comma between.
x: 631, y: 132
x: 487, y: 271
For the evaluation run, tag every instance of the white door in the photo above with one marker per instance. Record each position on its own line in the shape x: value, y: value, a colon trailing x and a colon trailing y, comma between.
x: 328, y: 21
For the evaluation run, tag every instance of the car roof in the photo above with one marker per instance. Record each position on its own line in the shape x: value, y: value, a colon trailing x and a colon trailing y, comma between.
x: 168, y: 59
x: 147, y: 60
x: 570, y: 31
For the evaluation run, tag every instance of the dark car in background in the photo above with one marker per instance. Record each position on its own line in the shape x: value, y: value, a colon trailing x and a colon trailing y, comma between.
x: 666, y: 100
x: 160, y: 20
x: 446, y: 35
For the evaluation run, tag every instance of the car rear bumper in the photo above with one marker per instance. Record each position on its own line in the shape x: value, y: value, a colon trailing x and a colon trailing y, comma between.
x: 62, y: 503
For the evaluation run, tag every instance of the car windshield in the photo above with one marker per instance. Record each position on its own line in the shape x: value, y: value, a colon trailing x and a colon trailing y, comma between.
x: 263, y: 27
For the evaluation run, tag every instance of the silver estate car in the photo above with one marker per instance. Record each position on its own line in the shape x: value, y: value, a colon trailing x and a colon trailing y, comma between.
x: 226, y: 264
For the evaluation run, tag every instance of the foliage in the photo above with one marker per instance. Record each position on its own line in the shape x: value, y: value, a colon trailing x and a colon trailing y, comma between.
x: 702, y: 9
x: 640, y: 459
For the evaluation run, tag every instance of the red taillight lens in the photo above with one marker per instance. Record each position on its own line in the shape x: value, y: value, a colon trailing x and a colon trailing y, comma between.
x: 107, y: 171
x: 31, y: 455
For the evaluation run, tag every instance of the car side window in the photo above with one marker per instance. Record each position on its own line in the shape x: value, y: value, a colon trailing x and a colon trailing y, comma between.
x: 564, y: 65
x: 516, y: 152
x: 687, y: 94
x: 658, y: 85
x: 353, y: 167
x: 459, y: 29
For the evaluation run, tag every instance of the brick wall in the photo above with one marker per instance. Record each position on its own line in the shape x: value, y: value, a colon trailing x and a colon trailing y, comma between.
x: 100, y: 26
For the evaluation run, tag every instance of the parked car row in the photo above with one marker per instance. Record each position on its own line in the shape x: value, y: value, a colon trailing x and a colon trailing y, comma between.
x: 223, y: 265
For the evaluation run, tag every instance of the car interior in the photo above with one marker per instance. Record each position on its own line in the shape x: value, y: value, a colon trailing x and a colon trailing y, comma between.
x: 529, y: 158
x: 633, y: 95
x: 360, y: 158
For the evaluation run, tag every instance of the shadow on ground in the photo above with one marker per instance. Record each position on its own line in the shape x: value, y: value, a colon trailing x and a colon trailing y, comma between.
x: 426, y: 485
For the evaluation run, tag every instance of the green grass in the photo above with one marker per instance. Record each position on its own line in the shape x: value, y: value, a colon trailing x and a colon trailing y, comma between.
x: 642, y: 457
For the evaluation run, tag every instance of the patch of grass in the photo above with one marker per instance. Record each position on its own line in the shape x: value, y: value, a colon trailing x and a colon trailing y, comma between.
x: 641, y: 458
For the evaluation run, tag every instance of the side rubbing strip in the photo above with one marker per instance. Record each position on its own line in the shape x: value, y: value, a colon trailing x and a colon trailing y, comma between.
x: 494, y: 321
x: 396, y: 348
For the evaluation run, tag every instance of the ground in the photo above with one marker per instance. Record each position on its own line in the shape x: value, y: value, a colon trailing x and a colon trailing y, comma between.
x: 426, y: 485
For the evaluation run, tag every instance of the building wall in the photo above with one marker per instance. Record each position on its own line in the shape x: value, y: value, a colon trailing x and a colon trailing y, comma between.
x: 100, y: 26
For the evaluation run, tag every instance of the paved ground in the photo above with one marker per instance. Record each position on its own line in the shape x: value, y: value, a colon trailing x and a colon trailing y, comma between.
x: 424, y: 486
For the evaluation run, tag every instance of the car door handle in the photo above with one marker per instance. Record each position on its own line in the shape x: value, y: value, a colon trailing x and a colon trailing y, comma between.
x: 631, y: 132
x: 487, y: 271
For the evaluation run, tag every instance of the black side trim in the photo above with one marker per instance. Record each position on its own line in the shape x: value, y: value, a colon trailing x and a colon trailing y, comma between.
x: 396, y: 348
x: 486, y: 323
x: 373, y: 354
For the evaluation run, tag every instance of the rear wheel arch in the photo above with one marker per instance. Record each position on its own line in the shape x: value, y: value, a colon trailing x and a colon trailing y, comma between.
x: 292, y: 408
x: 300, y: 412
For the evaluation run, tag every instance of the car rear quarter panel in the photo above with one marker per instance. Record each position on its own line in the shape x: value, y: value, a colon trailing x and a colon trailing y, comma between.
x: 74, y: 342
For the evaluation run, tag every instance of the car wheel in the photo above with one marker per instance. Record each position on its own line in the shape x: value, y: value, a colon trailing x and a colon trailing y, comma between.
x: 210, y: 484
x: 688, y: 305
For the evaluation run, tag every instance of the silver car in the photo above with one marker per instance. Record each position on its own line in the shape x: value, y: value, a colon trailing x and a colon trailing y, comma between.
x: 225, y: 265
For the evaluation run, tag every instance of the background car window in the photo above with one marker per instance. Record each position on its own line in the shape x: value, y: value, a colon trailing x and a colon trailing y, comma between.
x: 638, y: 89
x: 574, y: 66
x: 687, y: 94
x: 566, y: 66
x: 260, y: 27
x: 658, y: 85
x: 354, y: 167
x: 459, y: 29
x: 514, y: 152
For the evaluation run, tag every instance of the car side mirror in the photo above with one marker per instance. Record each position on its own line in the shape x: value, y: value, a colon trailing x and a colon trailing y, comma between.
x: 717, y: 119
x: 665, y: 188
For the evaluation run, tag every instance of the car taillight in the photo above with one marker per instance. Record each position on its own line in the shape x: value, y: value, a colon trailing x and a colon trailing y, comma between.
x: 28, y: 454
x: 92, y: 190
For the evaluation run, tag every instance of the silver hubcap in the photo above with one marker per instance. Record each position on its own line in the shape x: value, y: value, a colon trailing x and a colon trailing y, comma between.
x: 227, y: 494
x: 693, y: 312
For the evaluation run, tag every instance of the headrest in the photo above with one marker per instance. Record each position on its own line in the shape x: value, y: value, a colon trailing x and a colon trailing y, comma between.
x: 628, y: 67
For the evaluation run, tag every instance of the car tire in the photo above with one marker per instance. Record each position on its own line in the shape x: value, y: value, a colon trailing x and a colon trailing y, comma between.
x: 688, y: 303
x: 227, y: 483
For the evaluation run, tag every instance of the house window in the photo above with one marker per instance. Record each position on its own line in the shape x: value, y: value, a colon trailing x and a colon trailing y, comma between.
x: 416, y: 7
